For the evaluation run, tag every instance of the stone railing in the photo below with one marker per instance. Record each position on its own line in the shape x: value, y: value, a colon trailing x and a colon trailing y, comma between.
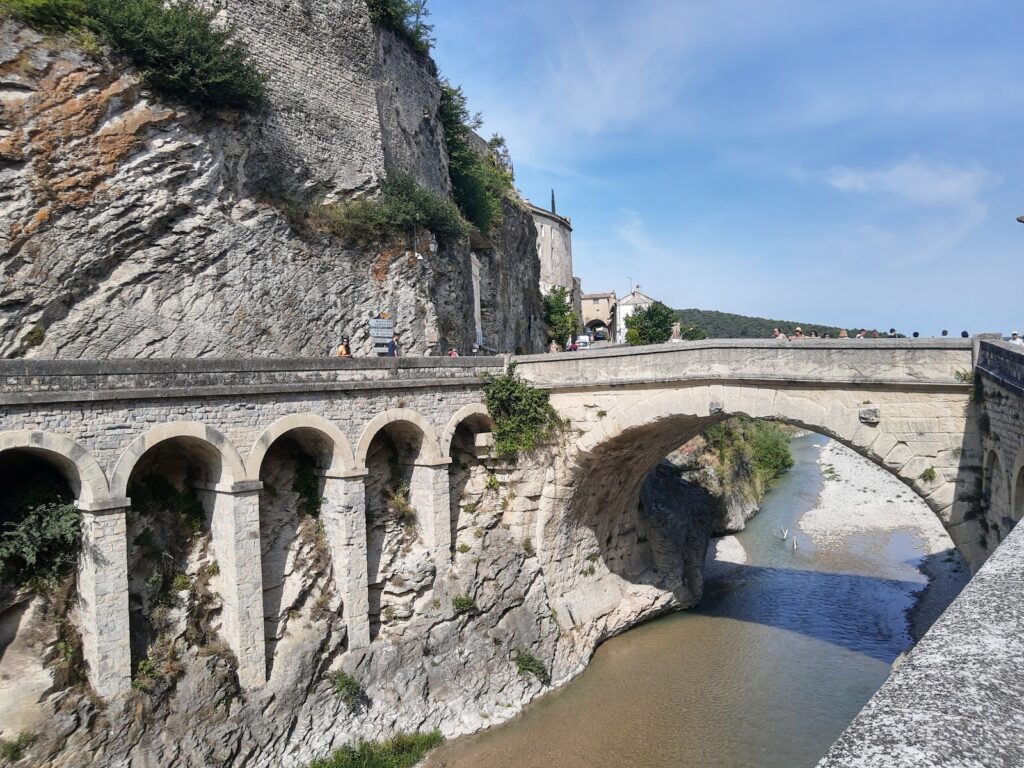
x: 931, y: 363
x: 1003, y: 362
x: 41, y: 381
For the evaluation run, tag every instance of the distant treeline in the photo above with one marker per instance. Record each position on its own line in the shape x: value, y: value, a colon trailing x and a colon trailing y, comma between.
x: 725, y: 325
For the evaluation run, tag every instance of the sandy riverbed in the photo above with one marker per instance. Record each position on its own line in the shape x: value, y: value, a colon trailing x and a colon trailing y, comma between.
x: 858, y: 497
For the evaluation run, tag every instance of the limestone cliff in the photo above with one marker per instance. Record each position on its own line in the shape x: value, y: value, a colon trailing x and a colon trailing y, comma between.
x: 446, y: 638
x: 131, y: 226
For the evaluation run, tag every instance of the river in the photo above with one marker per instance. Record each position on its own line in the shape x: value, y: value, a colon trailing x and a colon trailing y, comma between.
x: 786, y: 646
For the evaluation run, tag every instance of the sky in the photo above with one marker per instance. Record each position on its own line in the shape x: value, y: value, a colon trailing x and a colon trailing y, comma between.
x: 844, y: 163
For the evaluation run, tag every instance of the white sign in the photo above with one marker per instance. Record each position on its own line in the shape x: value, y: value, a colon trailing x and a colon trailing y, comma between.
x: 377, y: 322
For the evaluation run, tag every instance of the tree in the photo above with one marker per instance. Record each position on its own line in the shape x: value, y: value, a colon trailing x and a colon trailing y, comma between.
x: 691, y: 333
x: 562, y: 322
x: 649, y: 325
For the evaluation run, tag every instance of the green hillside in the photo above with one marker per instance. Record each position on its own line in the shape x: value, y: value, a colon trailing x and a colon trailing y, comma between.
x: 725, y: 325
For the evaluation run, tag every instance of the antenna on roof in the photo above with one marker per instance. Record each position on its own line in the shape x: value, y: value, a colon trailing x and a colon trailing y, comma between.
x: 553, y: 201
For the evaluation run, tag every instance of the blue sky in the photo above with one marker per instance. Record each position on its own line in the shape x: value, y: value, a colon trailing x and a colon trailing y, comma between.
x: 854, y: 163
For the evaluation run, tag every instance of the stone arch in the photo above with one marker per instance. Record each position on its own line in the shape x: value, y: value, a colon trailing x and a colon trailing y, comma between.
x: 640, y: 427
x: 341, y: 456
x: 1017, y: 490
x: 476, y: 412
x: 231, y: 467
x: 467, y: 472
x: 403, y: 419
x: 84, y: 474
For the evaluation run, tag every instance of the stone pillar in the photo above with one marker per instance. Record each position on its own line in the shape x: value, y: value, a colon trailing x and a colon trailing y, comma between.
x: 429, y: 496
x: 474, y: 263
x: 344, y: 517
x: 235, y: 529
x: 103, y: 596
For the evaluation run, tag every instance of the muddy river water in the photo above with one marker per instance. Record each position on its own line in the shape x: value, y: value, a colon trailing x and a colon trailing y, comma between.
x: 782, y: 652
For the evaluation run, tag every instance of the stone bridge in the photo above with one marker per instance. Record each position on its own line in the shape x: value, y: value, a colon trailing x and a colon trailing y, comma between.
x: 914, y: 407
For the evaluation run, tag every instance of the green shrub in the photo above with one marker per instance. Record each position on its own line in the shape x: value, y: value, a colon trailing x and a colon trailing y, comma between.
x: 399, y: 508
x: 348, y: 689
x: 406, y: 18
x: 48, y: 15
x: 479, y: 181
x: 41, y: 539
x: 650, y: 325
x: 528, y: 664
x: 761, y: 447
x: 929, y: 475
x: 402, y: 206
x: 463, y: 548
x: 34, y: 337
x: 175, y: 46
x: 464, y: 604
x: 559, y: 317
x: 402, y: 751
x: 522, y: 414
x: 13, y: 750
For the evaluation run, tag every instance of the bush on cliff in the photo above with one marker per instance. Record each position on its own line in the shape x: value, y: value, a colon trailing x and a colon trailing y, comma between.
x: 479, y: 181
x: 402, y: 751
x: 522, y: 414
x: 175, y: 46
x: 402, y: 206
x: 762, y: 447
x: 406, y: 18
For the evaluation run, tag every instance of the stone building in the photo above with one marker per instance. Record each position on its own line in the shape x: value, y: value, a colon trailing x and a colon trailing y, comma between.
x: 598, y: 311
x: 554, y: 249
x: 627, y: 306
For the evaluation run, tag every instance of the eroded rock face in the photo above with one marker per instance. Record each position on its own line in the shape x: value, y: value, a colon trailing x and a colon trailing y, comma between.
x: 131, y: 227
x: 447, y: 633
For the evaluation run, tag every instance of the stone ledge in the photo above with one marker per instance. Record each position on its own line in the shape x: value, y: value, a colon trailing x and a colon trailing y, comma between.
x: 39, y: 397
x: 39, y: 367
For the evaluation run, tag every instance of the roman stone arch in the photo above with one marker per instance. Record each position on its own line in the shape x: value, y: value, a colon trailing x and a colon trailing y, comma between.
x: 403, y: 420
x: 637, y: 428
x: 1018, y: 486
x: 83, y: 473
x: 476, y: 414
x: 459, y: 441
x: 341, y: 457
x: 230, y: 467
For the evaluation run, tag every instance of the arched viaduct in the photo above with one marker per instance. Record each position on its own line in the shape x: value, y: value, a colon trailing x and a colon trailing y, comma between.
x: 912, y: 407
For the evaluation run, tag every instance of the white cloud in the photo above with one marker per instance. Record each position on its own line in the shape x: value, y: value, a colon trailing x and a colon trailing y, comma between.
x: 917, y: 181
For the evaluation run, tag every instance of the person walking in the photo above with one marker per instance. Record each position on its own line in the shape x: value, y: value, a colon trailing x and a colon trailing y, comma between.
x: 553, y: 346
x: 453, y: 352
x: 393, y: 346
x: 1016, y: 339
x: 344, y: 348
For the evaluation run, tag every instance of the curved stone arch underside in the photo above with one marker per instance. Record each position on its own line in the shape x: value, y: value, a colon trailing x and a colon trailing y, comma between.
x: 1017, y: 487
x: 342, y: 458
x: 83, y: 472
x: 642, y: 426
x: 232, y: 468
x: 429, y: 451
x: 467, y: 412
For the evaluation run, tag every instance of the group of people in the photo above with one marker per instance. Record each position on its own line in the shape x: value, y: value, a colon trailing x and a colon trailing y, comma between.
x: 392, y: 349
x: 780, y: 335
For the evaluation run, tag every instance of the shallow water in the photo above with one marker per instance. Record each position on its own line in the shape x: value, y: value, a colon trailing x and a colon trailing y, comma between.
x: 778, y: 658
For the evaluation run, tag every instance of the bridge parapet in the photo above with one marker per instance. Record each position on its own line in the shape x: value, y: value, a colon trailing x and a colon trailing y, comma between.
x: 50, y: 381
x: 1004, y: 363
x: 874, y: 362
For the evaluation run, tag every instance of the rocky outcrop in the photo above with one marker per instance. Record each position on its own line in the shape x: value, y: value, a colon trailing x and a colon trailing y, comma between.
x: 446, y: 635
x: 134, y: 227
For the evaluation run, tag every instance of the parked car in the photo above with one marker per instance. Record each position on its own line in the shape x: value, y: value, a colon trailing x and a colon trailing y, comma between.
x: 600, y: 336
